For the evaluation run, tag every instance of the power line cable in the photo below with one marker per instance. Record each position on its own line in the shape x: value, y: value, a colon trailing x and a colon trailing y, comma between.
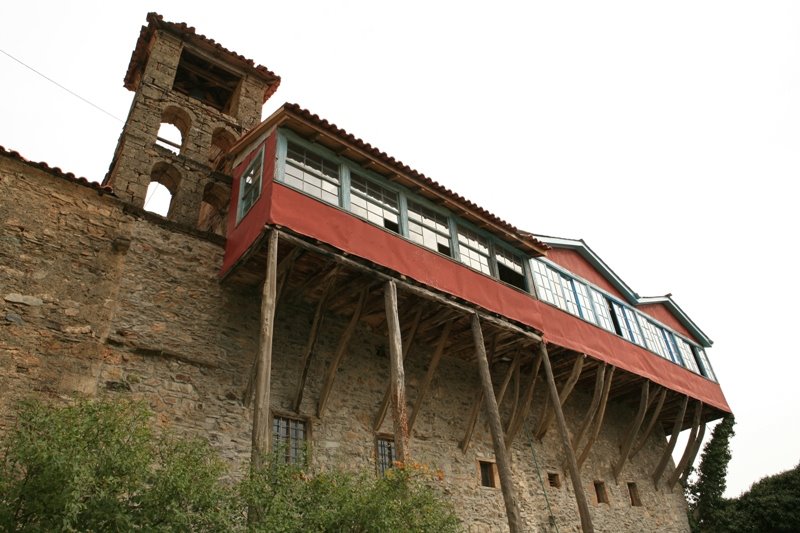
x: 54, y: 82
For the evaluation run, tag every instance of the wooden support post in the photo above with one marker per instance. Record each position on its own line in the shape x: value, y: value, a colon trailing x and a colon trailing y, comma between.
x: 261, y: 424
x: 693, y: 454
x: 566, y: 390
x: 512, y: 368
x: 312, y: 337
x: 398, y: 380
x: 681, y: 466
x: 282, y: 273
x: 527, y: 400
x: 598, y: 419
x: 651, y: 424
x: 572, y: 466
x: 378, y: 422
x: 473, y: 419
x: 344, y: 341
x: 501, y: 455
x: 599, y: 379
x: 673, y: 439
x: 426, y: 383
x: 633, y: 429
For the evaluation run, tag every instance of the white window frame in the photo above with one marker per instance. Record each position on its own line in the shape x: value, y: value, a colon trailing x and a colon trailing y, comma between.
x: 256, y: 163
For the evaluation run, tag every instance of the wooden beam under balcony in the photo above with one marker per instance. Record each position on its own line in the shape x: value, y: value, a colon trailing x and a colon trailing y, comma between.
x: 344, y: 341
x: 633, y: 429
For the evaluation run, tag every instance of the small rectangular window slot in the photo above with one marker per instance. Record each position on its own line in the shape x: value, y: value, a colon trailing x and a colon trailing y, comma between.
x: 442, y: 249
x: 554, y: 480
x: 391, y: 225
x: 633, y: 490
x: 488, y: 474
x: 600, y: 491
x: 509, y: 276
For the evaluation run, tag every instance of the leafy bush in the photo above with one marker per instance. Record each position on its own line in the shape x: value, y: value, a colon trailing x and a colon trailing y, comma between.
x: 97, y: 466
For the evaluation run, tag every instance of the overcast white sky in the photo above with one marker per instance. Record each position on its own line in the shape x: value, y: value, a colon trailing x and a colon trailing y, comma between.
x: 663, y: 134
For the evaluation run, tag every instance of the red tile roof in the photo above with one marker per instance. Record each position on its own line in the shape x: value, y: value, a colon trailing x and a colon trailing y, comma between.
x: 57, y: 172
x: 156, y: 22
x: 401, y: 167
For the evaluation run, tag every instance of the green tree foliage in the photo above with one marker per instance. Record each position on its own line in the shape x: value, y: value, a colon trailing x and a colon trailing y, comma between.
x: 288, y: 501
x: 706, y: 504
x: 771, y: 505
x: 96, y: 466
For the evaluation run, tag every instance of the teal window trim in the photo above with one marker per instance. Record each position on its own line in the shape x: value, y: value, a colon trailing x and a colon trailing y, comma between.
x: 566, y: 281
x: 344, y: 186
x: 245, y: 194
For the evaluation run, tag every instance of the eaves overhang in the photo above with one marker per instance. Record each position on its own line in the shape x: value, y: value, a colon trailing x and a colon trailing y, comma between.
x: 579, y: 246
x: 310, y: 126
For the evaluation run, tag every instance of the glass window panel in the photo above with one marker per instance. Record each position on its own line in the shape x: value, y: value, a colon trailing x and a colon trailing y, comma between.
x: 312, y: 173
x: 570, y: 299
x: 669, y: 343
x: 509, y: 260
x: 650, y: 336
x: 541, y: 280
x: 705, y: 364
x: 374, y: 203
x: 601, y: 306
x: 558, y: 293
x: 289, y: 437
x: 473, y: 250
x: 429, y: 229
x: 687, y: 355
x: 632, y: 324
x: 386, y: 455
x: 251, y: 185
x: 583, y: 301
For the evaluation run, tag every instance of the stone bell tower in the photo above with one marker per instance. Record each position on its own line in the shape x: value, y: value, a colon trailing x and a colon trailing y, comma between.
x: 211, y: 95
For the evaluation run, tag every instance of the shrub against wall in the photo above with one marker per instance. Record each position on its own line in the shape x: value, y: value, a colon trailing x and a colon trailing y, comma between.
x: 97, y: 466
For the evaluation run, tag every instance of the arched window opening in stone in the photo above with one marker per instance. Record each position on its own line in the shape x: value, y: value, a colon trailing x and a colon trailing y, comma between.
x: 221, y: 141
x: 175, y: 124
x: 164, y: 181
x: 214, y: 208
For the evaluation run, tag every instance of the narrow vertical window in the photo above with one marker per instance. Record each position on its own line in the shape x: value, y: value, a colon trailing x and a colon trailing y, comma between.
x: 704, y: 364
x: 669, y: 344
x: 545, y: 287
x: 584, y: 304
x: 651, y: 337
x: 488, y: 471
x: 600, y: 491
x: 429, y: 229
x: 374, y: 203
x: 312, y: 173
x: 601, y: 306
x: 686, y: 354
x: 385, y: 454
x: 250, y: 184
x: 473, y: 250
x: 633, y: 325
x: 554, y: 480
x: 289, y: 438
x: 633, y: 491
x: 570, y: 298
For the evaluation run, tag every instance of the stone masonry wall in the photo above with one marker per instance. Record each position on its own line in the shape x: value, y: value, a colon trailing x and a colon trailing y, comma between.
x: 155, y: 102
x: 98, y: 301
